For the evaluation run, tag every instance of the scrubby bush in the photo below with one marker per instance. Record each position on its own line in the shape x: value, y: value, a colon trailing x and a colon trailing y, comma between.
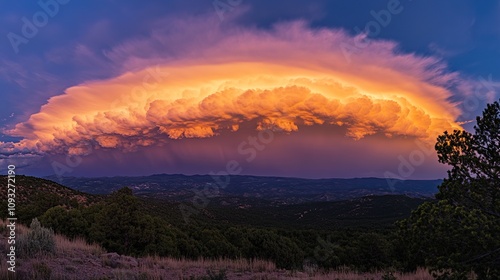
x: 37, y: 240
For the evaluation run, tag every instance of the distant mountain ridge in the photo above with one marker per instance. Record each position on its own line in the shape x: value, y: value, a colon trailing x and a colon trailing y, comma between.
x: 177, y: 187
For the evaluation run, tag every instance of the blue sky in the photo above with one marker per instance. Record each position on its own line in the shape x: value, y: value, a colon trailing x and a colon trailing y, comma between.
x: 72, y: 47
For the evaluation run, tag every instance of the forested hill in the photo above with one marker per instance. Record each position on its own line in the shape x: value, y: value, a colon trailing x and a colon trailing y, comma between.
x: 33, y: 196
x: 286, y: 234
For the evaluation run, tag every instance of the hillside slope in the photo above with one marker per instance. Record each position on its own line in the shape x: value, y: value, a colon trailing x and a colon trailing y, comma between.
x: 35, y: 195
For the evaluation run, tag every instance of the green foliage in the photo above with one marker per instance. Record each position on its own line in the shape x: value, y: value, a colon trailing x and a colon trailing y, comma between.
x: 121, y: 226
x: 40, y: 203
x: 34, y: 196
x: 116, y: 224
x: 68, y: 222
x: 123, y: 223
x: 461, y: 232
x: 38, y: 240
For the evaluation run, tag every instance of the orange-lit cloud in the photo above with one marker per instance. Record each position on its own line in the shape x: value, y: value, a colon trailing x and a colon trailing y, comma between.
x: 285, y: 78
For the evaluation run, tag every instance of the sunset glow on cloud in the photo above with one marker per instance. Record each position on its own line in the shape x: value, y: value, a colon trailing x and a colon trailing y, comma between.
x: 283, y: 79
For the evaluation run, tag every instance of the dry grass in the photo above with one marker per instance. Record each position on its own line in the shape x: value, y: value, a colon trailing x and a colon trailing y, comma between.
x: 65, y: 245
x: 345, y: 274
x: 153, y: 266
x: 420, y: 274
x: 20, y: 229
x: 217, y: 264
x: 156, y: 268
